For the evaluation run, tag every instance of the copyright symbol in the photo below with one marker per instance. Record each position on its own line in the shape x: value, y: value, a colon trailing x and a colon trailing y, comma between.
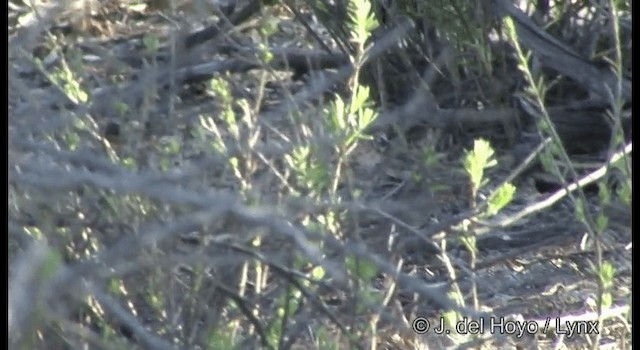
x: 420, y: 325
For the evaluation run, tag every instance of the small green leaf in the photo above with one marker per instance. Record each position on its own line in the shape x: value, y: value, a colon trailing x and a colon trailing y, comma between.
x: 478, y: 159
x: 580, y: 211
x: 603, y: 192
x: 365, y: 270
x: 607, y: 274
x: 601, y: 222
x: 151, y: 43
x: 318, y: 273
x: 607, y: 300
x: 501, y: 198
x: 624, y: 192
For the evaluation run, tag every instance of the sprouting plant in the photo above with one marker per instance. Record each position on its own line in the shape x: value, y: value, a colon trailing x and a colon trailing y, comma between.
x: 475, y: 162
x: 533, y: 100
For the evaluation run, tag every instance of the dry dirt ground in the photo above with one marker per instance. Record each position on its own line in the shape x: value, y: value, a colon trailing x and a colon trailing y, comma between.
x: 538, y: 269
